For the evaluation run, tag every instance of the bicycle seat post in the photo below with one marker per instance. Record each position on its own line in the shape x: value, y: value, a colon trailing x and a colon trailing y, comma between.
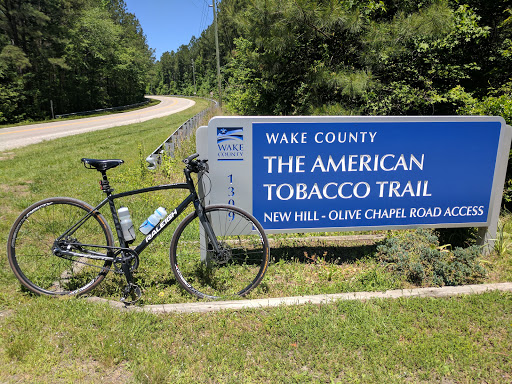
x: 104, y: 184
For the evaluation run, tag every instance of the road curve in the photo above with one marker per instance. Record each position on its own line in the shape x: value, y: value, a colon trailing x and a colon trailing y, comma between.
x: 20, y: 136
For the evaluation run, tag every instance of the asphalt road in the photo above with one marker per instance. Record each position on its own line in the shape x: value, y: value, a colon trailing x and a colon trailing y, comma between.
x: 20, y: 136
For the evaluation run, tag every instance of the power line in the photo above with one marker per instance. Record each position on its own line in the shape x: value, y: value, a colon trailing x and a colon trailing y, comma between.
x: 204, y: 9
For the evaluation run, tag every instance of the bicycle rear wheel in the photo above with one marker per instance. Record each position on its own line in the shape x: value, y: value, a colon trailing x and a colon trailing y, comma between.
x: 236, y: 269
x: 31, y: 247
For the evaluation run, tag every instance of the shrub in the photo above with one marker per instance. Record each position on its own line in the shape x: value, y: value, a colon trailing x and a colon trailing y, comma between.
x: 417, y: 257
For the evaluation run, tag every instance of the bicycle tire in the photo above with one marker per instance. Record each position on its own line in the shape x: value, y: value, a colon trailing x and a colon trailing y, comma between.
x: 240, y: 268
x: 31, y: 241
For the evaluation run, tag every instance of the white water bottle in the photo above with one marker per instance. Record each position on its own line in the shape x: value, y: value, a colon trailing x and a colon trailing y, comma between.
x: 126, y: 223
x: 151, y: 222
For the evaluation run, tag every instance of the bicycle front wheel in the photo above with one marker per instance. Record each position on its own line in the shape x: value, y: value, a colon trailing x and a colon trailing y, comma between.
x: 236, y: 269
x: 33, y: 243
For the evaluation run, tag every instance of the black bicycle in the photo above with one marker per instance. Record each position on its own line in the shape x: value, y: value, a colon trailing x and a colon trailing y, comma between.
x: 64, y: 246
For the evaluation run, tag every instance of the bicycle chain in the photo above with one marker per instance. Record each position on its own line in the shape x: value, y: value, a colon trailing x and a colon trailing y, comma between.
x: 116, y: 261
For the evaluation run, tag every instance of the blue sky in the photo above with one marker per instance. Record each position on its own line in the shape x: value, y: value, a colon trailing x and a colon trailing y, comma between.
x: 168, y: 24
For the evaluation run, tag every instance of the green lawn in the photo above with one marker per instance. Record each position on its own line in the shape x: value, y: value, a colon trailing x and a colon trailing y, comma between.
x: 457, y: 340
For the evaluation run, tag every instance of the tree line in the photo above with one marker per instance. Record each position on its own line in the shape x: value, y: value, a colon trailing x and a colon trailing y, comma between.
x: 369, y: 57
x: 278, y: 57
x: 69, y: 56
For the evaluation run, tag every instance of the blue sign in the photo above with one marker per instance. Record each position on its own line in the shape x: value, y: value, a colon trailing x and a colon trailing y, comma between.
x: 308, y: 175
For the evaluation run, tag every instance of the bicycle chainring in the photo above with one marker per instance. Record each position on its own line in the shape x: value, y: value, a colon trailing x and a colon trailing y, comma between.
x: 133, y: 260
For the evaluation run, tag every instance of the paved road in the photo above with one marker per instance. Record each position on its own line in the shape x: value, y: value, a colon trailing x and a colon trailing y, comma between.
x: 21, y: 136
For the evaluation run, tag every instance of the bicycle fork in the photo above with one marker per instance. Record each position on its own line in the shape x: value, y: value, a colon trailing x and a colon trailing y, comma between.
x: 208, y: 231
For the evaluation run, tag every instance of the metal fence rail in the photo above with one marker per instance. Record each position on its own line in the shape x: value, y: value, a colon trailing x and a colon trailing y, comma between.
x: 172, y: 142
x: 120, y: 108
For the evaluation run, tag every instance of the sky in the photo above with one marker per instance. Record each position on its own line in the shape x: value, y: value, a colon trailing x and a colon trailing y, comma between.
x: 168, y: 24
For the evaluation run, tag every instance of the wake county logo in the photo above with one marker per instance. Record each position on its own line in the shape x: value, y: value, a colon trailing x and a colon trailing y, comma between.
x: 230, y: 144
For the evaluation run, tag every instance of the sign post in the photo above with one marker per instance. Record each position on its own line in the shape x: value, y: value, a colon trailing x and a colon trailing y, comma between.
x: 316, y: 174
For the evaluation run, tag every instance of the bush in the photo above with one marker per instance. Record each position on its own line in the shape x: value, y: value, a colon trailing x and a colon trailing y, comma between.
x: 417, y: 257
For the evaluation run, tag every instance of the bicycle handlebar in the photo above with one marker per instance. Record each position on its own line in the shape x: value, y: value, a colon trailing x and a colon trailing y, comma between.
x: 190, y: 158
x: 196, y: 165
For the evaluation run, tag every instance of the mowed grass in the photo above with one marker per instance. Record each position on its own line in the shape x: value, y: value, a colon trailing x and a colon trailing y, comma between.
x: 50, y: 340
x: 456, y: 340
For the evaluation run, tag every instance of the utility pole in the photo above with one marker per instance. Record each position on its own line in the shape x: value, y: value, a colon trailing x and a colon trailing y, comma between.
x: 194, y: 76
x: 217, y: 51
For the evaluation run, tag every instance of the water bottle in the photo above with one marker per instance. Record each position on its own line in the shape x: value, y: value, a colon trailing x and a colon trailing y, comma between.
x: 126, y: 223
x: 153, y: 220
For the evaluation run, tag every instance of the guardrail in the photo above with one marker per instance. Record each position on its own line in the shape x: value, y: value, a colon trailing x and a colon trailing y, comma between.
x: 92, y: 112
x: 185, y: 130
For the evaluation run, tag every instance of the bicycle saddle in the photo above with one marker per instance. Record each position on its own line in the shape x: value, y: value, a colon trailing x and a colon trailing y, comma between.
x: 101, y: 165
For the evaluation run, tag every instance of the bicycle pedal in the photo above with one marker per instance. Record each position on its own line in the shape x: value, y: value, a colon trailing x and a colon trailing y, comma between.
x: 133, y: 291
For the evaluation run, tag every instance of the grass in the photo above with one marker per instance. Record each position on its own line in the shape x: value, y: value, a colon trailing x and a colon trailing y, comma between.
x: 456, y: 340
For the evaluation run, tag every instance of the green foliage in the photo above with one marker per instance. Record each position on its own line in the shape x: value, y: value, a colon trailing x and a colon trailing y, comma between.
x: 76, y: 55
x: 421, y: 57
x: 417, y: 257
x: 373, y: 57
x: 498, y: 102
x: 245, y: 87
x: 354, y: 57
x: 502, y: 243
x: 175, y: 72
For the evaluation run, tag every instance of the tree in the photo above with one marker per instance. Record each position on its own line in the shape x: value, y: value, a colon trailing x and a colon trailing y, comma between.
x: 79, y: 54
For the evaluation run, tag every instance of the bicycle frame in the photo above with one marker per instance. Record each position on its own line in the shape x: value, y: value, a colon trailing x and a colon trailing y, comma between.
x: 191, y: 198
x: 148, y: 239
